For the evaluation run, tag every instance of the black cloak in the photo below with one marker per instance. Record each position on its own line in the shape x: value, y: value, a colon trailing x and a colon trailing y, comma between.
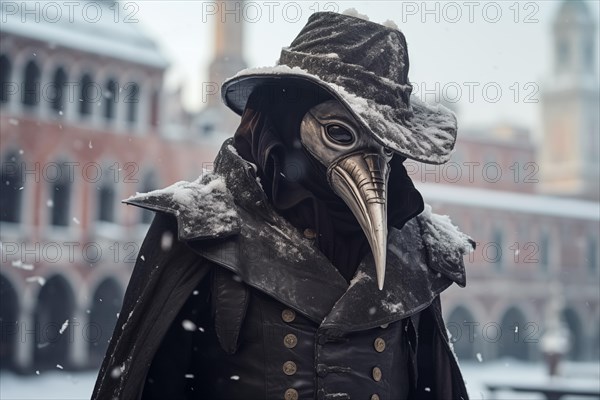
x: 210, y: 315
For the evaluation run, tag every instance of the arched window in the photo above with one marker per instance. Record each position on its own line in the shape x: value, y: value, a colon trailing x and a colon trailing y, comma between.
x: 154, y: 108
x: 55, y: 305
x: 515, y: 336
x: 588, y: 53
x: 132, y: 99
x: 461, y: 326
x: 87, y: 95
x: 111, y: 96
x: 31, y: 89
x: 60, y: 185
x: 592, y: 254
x: 105, y: 307
x: 497, y: 242
x: 149, y: 184
x: 544, y: 252
x: 59, y: 82
x: 576, y: 337
x: 9, y: 315
x: 5, y: 70
x: 562, y: 52
x: 11, y: 189
x: 106, y: 201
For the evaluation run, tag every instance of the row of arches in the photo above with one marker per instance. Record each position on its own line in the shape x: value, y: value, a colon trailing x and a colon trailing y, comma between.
x: 60, y: 193
x: 514, y: 336
x: 83, y: 91
x: 50, y: 341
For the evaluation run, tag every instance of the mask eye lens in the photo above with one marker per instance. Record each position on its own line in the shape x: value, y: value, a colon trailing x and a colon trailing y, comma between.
x: 339, y: 134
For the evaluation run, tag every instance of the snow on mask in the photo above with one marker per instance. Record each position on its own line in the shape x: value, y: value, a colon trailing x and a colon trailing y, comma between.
x: 357, y: 170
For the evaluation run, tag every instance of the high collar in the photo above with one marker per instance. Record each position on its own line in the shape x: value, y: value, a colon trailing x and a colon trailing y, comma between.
x: 271, y: 255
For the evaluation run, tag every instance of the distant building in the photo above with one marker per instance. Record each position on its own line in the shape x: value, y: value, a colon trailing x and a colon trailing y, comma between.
x: 534, y: 210
x: 569, y: 159
x: 69, y: 155
x: 83, y: 125
x: 216, y: 122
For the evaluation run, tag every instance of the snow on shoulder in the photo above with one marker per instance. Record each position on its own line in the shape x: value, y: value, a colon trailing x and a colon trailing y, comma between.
x: 440, y: 231
x: 203, y: 208
x: 446, y: 244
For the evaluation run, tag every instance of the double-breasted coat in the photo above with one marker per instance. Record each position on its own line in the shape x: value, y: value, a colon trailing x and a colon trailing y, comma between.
x: 228, y: 300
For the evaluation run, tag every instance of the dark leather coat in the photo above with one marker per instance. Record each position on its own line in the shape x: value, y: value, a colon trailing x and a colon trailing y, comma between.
x: 243, y: 306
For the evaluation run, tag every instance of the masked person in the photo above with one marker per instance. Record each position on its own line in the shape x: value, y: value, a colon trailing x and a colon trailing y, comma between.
x: 306, y: 265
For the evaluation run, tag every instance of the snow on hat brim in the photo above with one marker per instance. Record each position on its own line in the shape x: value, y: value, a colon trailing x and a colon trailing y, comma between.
x: 427, y: 136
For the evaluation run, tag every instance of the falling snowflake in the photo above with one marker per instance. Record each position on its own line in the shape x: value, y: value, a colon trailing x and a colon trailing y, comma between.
x: 64, y: 326
x: 59, y: 366
x: 479, y: 357
x: 235, y: 378
x: 76, y: 220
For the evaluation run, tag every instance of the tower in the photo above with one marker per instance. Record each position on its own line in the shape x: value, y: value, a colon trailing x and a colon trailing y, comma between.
x: 569, y: 156
x: 215, y: 121
x: 228, y: 52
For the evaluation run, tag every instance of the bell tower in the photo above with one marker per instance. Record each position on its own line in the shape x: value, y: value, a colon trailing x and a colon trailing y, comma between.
x: 215, y: 121
x: 569, y: 153
x: 228, y: 52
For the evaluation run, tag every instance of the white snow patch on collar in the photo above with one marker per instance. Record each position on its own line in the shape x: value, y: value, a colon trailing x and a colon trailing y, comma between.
x: 359, y: 277
x: 203, y: 208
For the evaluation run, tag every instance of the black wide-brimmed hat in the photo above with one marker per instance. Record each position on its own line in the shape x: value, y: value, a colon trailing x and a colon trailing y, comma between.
x: 365, y: 66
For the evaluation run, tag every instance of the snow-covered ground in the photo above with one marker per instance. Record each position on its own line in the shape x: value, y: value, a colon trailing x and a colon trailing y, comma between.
x: 63, y: 385
x: 573, y: 375
x: 55, y: 385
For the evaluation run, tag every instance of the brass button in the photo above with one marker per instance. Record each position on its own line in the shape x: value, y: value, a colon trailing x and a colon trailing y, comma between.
x: 310, y: 233
x: 289, y: 368
x: 375, y: 397
x: 291, y: 394
x: 288, y: 315
x: 379, y: 345
x: 376, y: 374
x: 290, y: 341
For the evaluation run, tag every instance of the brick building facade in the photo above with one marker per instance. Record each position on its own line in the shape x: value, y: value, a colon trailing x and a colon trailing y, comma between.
x: 83, y: 125
x: 81, y: 121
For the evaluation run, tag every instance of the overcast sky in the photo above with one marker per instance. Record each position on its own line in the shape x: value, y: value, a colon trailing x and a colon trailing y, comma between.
x: 470, y: 49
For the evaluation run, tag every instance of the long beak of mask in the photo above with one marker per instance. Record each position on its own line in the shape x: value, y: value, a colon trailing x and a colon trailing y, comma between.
x: 357, y: 169
x: 361, y: 181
